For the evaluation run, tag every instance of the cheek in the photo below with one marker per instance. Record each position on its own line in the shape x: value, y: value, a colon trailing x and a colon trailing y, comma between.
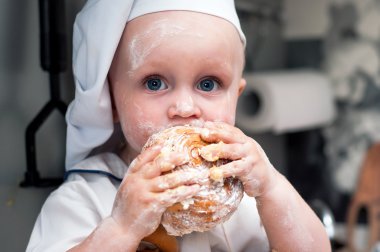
x: 224, y: 110
x: 138, y: 125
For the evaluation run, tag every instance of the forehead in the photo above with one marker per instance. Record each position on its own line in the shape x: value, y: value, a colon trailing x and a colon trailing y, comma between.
x: 193, y: 30
x: 176, y: 22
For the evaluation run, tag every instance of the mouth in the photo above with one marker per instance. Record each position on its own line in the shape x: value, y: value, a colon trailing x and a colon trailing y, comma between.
x: 199, y: 123
x: 195, y: 123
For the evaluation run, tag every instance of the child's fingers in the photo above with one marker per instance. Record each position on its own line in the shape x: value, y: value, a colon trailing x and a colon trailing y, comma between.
x: 155, y: 162
x: 178, y: 194
x: 217, y: 131
x: 145, y: 157
x: 213, y: 152
x: 163, y: 163
x: 167, y: 162
x: 237, y: 168
x: 179, y: 178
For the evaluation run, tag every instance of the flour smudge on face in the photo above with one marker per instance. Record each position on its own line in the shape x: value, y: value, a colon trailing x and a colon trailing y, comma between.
x: 159, y: 31
x: 185, y: 107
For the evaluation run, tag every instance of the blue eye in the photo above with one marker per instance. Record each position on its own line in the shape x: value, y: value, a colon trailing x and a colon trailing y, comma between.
x: 155, y: 84
x: 207, y: 85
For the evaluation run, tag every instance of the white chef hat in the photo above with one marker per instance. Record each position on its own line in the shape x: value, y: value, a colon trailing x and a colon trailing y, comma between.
x: 97, y: 31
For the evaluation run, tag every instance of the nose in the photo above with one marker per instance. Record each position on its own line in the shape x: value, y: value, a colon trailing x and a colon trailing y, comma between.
x: 184, y: 107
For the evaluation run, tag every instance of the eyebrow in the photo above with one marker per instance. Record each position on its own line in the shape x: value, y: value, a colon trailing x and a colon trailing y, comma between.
x: 215, y: 65
x: 225, y: 66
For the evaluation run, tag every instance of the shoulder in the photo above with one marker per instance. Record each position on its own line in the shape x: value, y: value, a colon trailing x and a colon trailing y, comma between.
x: 92, y: 183
x: 108, y: 164
x: 73, y: 210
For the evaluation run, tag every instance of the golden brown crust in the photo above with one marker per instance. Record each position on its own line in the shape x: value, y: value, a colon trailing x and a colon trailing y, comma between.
x: 217, y: 199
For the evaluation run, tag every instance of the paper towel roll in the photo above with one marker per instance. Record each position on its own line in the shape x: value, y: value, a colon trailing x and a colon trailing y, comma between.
x: 285, y: 101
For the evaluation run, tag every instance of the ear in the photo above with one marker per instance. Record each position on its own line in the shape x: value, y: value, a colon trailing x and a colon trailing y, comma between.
x: 115, y: 115
x: 242, y: 85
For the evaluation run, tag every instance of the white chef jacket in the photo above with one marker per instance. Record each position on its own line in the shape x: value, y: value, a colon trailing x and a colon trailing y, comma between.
x: 77, y: 207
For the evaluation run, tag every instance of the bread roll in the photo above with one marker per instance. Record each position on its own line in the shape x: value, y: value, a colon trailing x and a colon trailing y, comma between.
x: 218, y: 198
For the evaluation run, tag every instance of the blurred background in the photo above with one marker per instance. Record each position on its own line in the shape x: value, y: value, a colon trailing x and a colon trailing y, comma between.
x: 312, y: 102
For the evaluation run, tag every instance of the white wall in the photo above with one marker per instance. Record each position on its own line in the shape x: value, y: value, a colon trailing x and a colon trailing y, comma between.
x: 305, y: 18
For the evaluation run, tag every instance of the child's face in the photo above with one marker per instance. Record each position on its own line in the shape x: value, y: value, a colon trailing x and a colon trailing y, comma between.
x: 174, y: 68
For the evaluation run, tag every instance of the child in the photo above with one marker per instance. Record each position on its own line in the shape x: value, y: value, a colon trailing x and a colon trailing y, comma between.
x: 176, y: 62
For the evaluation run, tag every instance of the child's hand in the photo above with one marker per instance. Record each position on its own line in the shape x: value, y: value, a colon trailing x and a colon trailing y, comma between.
x: 249, y: 162
x: 144, y: 193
